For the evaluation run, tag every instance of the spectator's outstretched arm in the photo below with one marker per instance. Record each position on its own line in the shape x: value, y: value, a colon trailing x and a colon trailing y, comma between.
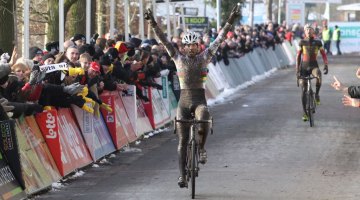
x: 158, y: 32
x: 235, y: 13
x: 337, y: 85
x: 348, y: 101
x: 358, y: 73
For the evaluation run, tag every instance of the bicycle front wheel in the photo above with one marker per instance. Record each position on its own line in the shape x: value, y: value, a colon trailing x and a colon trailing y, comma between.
x: 193, y: 168
x: 310, y: 107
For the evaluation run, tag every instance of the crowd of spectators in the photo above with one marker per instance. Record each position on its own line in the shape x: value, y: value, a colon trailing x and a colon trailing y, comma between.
x: 112, y: 64
x: 244, y: 39
x: 78, y: 75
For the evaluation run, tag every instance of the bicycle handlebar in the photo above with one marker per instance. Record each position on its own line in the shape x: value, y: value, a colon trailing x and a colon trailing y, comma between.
x: 306, y: 77
x: 194, y: 121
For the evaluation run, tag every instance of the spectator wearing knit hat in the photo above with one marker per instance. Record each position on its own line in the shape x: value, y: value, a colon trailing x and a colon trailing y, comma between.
x: 48, y: 59
x: 52, y: 47
x: 35, y: 54
x: 87, y: 48
x: 79, y: 39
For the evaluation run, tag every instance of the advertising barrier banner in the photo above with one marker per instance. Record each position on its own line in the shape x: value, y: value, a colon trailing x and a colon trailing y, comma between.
x: 129, y: 100
x: 10, y: 149
x: 64, y: 139
x: 164, y: 93
x: 39, y: 144
x: 160, y: 111
x: 95, y: 133
x: 148, y: 105
x: 124, y: 118
x: 38, y: 170
x: 142, y: 122
x: 10, y: 189
x: 116, y: 129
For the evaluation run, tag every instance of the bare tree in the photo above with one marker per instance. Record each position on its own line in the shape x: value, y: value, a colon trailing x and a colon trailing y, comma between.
x: 77, y: 19
x: 52, y: 31
x: 100, y: 10
x: 269, y: 10
x: 7, y: 28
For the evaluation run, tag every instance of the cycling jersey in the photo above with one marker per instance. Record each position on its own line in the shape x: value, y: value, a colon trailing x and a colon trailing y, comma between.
x: 309, y: 49
x: 192, y: 71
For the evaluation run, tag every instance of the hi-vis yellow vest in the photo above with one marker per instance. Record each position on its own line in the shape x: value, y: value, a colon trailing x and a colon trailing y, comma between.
x: 336, y: 35
x: 326, y: 35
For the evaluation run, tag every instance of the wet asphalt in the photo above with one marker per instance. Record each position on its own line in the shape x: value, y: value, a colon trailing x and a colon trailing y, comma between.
x: 260, y: 150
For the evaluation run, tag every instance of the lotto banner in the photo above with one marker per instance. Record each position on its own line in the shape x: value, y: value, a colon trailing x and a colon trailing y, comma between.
x: 10, y: 189
x: 38, y: 168
x: 116, y: 129
x: 142, y: 121
x: 129, y: 100
x: 64, y: 139
x: 95, y: 133
x: 10, y: 149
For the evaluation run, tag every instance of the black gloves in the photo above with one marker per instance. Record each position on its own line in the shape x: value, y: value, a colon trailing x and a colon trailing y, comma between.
x: 157, y: 86
x: 5, y: 104
x: 150, y: 17
x: 326, y: 69
x: 235, y: 13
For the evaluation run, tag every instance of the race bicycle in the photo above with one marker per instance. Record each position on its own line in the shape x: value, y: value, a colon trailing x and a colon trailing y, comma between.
x: 310, y: 104
x: 192, y: 153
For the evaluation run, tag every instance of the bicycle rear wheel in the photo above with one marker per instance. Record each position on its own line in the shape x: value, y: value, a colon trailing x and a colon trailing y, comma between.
x: 193, y: 168
x: 310, y: 105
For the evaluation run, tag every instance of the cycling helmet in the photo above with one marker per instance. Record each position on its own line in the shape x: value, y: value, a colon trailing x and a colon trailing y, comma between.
x: 307, y: 26
x: 190, y: 38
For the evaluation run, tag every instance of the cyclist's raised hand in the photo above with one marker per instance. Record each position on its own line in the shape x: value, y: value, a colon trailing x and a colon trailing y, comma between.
x: 358, y: 73
x: 148, y: 15
x: 235, y: 13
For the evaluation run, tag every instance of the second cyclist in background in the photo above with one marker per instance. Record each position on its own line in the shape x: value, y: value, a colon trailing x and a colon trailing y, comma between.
x: 306, y: 63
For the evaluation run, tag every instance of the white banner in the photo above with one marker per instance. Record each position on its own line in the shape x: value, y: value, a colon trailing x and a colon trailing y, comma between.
x: 54, y: 67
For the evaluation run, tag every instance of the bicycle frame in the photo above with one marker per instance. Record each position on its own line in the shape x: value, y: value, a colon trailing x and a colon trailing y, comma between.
x: 310, y: 100
x: 192, y: 152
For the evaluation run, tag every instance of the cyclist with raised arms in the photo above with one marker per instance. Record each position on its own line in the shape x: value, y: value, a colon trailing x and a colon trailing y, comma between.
x: 192, y: 71
x: 306, y: 63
